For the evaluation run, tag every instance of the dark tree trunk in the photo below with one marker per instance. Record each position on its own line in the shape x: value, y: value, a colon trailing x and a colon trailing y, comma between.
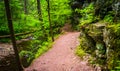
x: 39, y: 10
x: 51, y: 31
x: 25, y: 7
x: 40, y: 17
x: 10, y: 25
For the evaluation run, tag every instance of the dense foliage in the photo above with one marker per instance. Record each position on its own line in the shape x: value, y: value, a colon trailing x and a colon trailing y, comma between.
x: 101, y: 41
x: 22, y: 22
x: 94, y: 10
x: 26, y: 18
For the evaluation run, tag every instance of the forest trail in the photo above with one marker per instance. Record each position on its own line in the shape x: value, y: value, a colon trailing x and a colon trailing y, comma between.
x: 61, y: 57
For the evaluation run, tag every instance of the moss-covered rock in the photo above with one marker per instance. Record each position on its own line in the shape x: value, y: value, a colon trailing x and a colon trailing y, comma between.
x: 101, y: 39
x: 102, y: 42
x: 112, y: 42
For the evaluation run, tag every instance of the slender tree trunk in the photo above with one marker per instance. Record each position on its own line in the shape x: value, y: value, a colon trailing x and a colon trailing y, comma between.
x: 25, y: 10
x: 40, y: 18
x: 39, y: 9
x: 51, y: 30
x: 10, y: 25
x: 25, y: 6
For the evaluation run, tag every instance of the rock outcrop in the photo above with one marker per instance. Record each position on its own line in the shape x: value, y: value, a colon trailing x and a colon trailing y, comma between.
x: 102, y: 42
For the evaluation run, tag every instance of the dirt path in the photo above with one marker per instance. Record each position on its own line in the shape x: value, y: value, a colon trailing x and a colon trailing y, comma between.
x: 61, y: 57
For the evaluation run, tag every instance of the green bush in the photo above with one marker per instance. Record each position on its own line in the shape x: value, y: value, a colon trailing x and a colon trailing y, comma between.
x: 44, y: 47
x: 87, y: 14
x: 108, y: 18
x: 80, y: 52
x: 33, y: 49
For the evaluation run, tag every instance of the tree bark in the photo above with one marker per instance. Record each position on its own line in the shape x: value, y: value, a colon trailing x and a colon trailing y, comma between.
x: 51, y: 30
x: 39, y: 9
x: 25, y: 6
x: 10, y: 25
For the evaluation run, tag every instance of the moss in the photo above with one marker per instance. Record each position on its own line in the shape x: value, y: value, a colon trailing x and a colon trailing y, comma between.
x: 80, y: 52
x: 102, y: 42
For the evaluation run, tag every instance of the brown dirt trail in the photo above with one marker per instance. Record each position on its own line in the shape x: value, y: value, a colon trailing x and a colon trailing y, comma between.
x: 61, y: 57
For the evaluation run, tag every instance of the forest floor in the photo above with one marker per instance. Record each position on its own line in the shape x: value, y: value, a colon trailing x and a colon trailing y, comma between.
x: 61, y: 57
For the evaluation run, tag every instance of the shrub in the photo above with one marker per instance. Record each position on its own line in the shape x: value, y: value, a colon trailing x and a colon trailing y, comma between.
x: 80, y: 52
x: 87, y: 14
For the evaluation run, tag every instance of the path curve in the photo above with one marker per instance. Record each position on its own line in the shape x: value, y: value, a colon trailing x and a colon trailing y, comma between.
x: 61, y: 56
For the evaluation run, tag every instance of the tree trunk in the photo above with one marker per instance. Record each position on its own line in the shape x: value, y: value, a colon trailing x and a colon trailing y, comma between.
x: 25, y: 7
x: 10, y: 25
x: 51, y: 31
x: 39, y: 10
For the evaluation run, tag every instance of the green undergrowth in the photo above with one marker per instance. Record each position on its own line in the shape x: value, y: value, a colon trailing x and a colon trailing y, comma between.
x: 44, y: 48
x: 33, y: 49
x: 87, y: 14
x: 80, y: 52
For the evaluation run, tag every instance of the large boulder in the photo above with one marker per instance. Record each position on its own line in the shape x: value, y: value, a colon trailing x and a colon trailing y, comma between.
x: 102, y: 42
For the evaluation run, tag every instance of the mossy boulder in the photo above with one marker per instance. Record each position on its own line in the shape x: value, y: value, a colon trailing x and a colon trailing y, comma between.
x: 111, y: 39
x: 102, y: 42
x: 96, y: 31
